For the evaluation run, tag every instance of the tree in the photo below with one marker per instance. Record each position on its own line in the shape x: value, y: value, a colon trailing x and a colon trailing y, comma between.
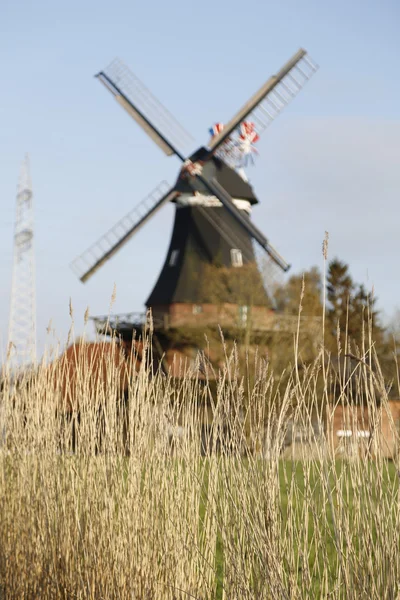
x: 236, y: 285
x: 350, y: 308
x: 394, y: 329
x: 393, y: 349
x: 289, y: 296
x: 303, y: 289
x: 339, y: 289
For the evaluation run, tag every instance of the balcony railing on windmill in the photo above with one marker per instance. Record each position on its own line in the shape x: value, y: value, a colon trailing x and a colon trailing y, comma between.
x: 126, y: 322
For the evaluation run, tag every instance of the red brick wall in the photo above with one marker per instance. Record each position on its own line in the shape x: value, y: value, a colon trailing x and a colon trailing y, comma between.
x: 180, y: 314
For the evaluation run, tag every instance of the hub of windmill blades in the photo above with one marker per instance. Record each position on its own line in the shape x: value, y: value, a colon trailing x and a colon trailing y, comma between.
x: 207, y: 171
x: 191, y: 169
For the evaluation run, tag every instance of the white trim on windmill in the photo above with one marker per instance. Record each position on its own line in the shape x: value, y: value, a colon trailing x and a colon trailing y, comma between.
x: 198, y: 199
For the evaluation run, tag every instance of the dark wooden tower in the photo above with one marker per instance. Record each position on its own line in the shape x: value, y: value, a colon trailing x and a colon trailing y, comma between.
x: 205, y: 234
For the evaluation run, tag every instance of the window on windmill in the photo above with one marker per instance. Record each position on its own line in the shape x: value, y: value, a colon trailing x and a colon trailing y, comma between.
x: 236, y: 257
x: 173, y: 259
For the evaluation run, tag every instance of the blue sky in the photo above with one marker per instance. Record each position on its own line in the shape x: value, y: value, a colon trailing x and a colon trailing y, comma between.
x: 329, y: 162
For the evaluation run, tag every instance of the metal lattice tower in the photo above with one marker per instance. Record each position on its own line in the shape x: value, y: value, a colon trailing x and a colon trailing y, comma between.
x: 22, y: 325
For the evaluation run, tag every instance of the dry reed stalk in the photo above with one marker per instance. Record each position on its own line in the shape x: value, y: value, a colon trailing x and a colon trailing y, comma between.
x: 138, y: 511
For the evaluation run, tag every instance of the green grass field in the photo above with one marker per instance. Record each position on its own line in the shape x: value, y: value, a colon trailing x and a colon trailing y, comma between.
x: 311, y: 509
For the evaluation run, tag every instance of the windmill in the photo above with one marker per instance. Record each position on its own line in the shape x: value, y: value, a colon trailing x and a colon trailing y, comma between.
x: 213, y: 198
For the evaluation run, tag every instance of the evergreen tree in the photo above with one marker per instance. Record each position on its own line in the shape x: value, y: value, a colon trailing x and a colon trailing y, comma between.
x: 350, y: 307
x: 340, y: 287
x: 393, y: 332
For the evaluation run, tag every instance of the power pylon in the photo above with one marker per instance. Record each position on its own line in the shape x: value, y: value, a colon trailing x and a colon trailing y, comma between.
x: 22, y: 325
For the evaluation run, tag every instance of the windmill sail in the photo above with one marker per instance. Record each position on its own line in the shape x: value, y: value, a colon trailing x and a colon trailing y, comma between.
x: 266, y: 104
x: 94, y: 257
x: 144, y: 108
x: 217, y: 221
x: 217, y: 190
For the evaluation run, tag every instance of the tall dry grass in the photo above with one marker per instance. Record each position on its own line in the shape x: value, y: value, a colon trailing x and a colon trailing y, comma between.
x: 153, y: 504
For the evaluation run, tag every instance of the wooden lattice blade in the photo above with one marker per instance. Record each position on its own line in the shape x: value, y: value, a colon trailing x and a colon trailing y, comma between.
x: 265, y: 105
x: 96, y: 255
x: 144, y: 108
